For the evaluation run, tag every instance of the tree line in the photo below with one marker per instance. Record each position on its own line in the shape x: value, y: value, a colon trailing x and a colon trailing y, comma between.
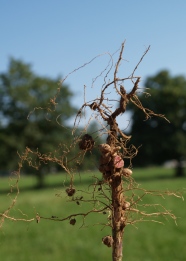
x: 160, y: 140
x: 30, y: 118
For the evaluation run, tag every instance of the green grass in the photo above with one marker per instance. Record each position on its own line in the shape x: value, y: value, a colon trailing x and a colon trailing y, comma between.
x: 50, y: 240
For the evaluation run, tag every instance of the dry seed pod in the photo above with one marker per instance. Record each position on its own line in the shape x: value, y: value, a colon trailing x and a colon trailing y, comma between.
x: 86, y: 143
x: 115, y: 150
x: 37, y: 218
x: 70, y: 191
x: 105, y: 158
x: 73, y: 221
x: 104, y: 168
x: 108, y: 241
x: 127, y: 172
x: 93, y: 106
x: 126, y: 205
x: 104, y: 148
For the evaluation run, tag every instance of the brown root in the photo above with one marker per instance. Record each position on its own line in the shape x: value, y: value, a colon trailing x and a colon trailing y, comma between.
x: 108, y: 241
x: 70, y: 191
x: 86, y: 143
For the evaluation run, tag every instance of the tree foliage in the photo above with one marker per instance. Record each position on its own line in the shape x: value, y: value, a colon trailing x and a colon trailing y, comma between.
x: 30, y: 115
x: 161, y: 140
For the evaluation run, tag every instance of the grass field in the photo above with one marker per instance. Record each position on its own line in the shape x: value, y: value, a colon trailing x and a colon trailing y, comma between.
x: 50, y: 240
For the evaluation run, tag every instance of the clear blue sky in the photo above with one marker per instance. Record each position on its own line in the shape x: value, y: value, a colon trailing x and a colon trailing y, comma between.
x: 58, y: 36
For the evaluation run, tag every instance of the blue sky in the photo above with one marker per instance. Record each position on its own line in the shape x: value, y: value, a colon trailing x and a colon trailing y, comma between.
x: 58, y: 36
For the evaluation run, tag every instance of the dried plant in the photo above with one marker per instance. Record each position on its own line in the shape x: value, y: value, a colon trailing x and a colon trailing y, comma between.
x: 116, y: 193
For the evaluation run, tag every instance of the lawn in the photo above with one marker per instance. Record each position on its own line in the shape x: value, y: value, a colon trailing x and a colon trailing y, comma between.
x: 50, y: 240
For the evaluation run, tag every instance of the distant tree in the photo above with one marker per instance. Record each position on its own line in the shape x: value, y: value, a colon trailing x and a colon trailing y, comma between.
x: 28, y: 114
x: 160, y: 140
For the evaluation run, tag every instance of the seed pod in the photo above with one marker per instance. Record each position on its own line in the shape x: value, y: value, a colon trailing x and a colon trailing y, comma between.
x: 93, y: 106
x: 70, y: 191
x: 73, y: 221
x: 126, y: 205
x: 118, y: 162
x: 105, y: 158
x: 104, y: 148
x: 115, y: 150
x: 86, y: 143
x: 37, y: 218
x: 127, y: 172
x: 54, y: 217
x: 108, y: 241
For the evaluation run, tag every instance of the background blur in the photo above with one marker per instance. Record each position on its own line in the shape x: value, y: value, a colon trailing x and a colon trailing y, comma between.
x: 42, y: 42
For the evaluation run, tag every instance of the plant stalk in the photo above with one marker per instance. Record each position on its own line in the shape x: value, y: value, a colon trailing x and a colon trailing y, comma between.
x: 118, y: 219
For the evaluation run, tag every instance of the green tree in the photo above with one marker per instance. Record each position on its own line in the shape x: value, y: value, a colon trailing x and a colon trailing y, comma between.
x: 161, y: 140
x: 29, y: 117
